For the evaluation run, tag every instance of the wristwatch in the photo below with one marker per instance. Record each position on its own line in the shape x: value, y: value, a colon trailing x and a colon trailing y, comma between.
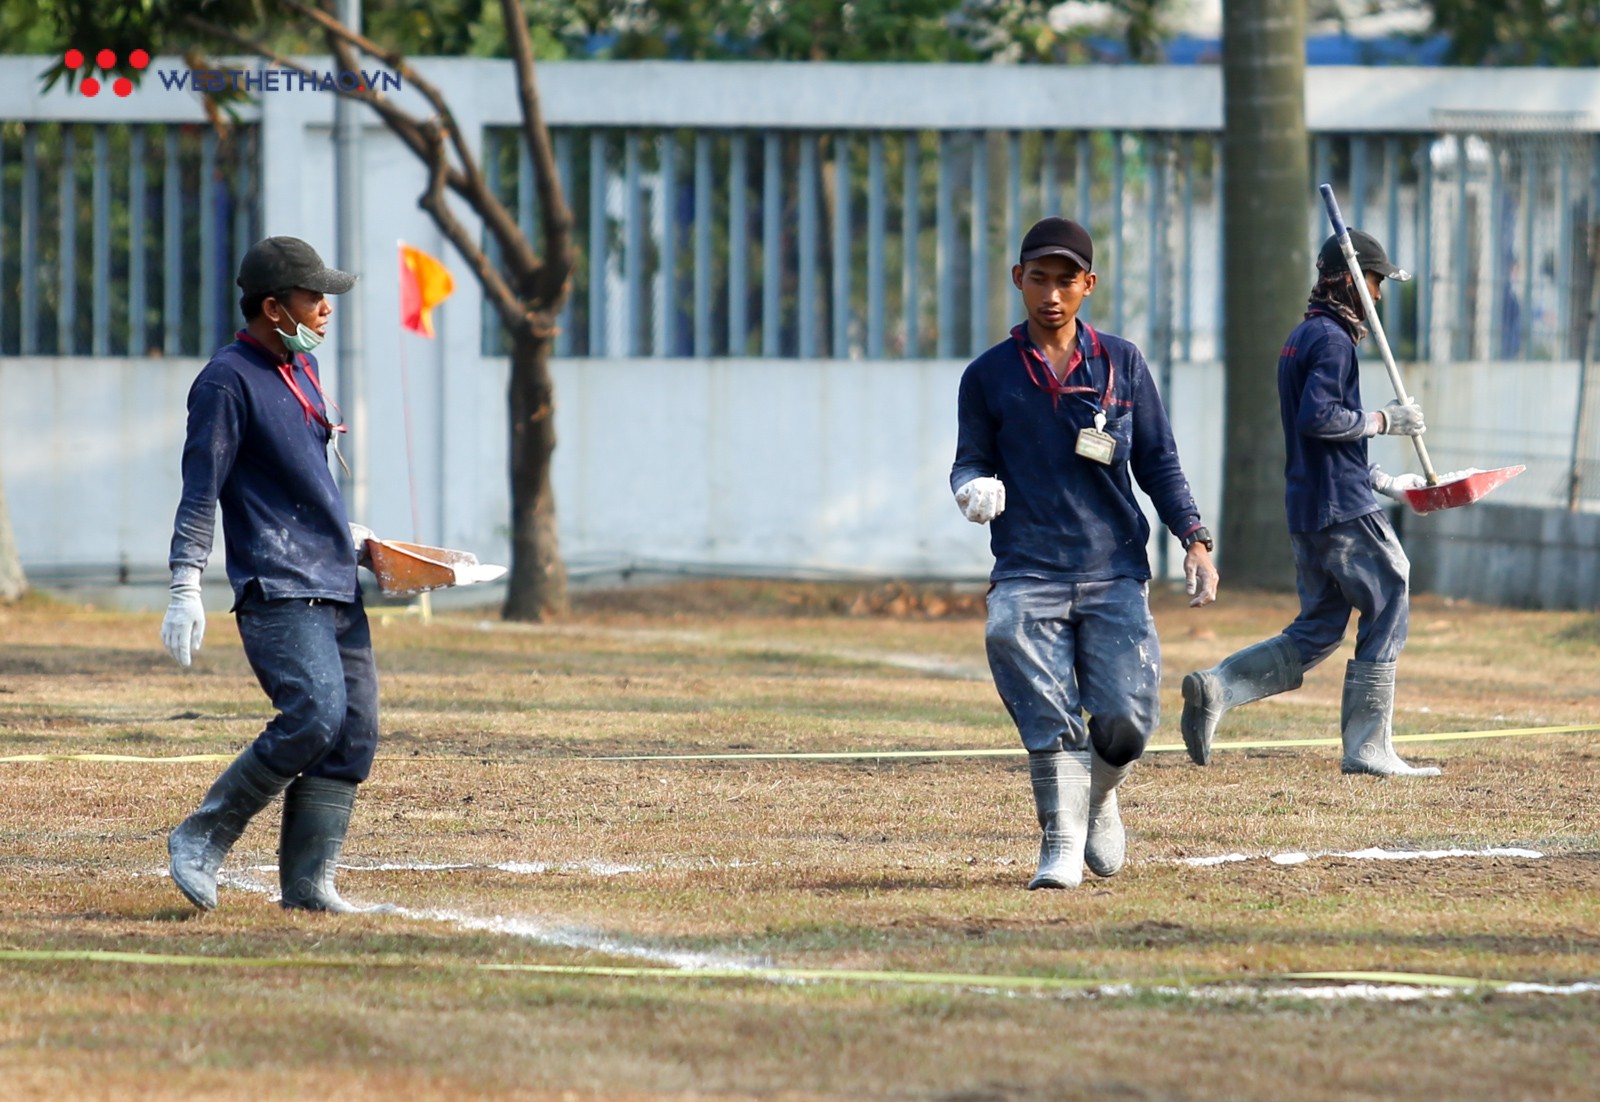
x: 1199, y: 535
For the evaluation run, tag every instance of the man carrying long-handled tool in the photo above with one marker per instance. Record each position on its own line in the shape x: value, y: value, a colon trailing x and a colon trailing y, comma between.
x: 1345, y: 551
x: 257, y: 444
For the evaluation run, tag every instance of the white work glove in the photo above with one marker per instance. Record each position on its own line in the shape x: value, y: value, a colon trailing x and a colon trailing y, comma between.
x: 982, y: 499
x: 1396, y: 419
x: 359, y: 535
x: 185, y: 624
x: 1394, y: 486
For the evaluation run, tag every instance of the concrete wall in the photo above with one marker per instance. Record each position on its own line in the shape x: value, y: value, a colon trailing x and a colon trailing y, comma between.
x: 1512, y: 555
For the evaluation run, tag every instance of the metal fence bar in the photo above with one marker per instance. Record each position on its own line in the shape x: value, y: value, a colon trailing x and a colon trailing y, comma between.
x: 136, y: 250
x: 876, y: 229
x: 910, y: 231
x: 1185, y: 275
x: 67, y: 255
x: 771, y: 242
x: 1083, y: 201
x: 1358, y: 181
x: 1424, y: 253
x: 100, y: 305
x: 979, y: 325
x: 1496, y: 253
x: 29, y: 243
x: 944, y: 262
x: 4, y: 290
x: 702, y: 243
x: 666, y: 222
x: 1155, y: 200
x: 1321, y: 173
x: 738, y: 245
x: 1565, y: 259
x: 209, y: 283
x: 525, y: 188
x: 598, y: 223
x: 1047, y: 174
x: 806, y: 323
x: 841, y: 246
x: 1530, y: 202
x: 563, y: 149
x: 243, y: 188
x: 1461, y: 344
x: 1119, y: 172
x: 1013, y: 231
x: 633, y: 241
x: 1392, y: 304
x: 171, y: 250
x: 1217, y: 180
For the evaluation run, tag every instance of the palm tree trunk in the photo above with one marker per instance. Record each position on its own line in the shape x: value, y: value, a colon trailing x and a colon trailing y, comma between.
x: 1266, y: 269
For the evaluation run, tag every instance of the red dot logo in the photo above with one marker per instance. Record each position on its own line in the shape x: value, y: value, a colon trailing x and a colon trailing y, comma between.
x: 74, y: 59
x: 122, y: 86
x: 138, y: 59
x: 89, y: 86
x: 106, y: 59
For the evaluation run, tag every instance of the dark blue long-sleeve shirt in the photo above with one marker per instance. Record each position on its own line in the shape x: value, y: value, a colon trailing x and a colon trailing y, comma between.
x: 1068, y: 518
x: 1326, y: 479
x: 253, y: 447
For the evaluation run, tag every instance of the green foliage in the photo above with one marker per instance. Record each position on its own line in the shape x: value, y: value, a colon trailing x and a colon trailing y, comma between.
x: 1520, y: 32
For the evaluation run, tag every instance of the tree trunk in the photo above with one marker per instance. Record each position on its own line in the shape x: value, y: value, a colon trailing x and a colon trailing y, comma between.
x: 13, y: 583
x: 1266, y: 201
x: 538, y: 582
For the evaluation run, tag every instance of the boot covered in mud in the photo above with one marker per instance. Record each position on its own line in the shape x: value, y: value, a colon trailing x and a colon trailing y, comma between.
x: 316, y: 818
x: 1261, y: 670
x: 1366, y: 716
x: 1107, y: 846
x: 1061, y: 795
x: 198, y: 845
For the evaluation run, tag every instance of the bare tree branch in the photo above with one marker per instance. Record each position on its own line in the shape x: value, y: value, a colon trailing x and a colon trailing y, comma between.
x: 506, y: 302
x: 554, y: 212
x: 467, y: 181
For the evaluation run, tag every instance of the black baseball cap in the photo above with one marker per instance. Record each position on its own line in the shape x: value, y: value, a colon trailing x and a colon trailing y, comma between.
x: 1059, y: 237
x: 1369, y: 254
x: 282, y: 263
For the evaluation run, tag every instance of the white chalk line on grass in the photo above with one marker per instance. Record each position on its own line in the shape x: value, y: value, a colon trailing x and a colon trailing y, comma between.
x: 1349, y: 986
x: 1372, y: 853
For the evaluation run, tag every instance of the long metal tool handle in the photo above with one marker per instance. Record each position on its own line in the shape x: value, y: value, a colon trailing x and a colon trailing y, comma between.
x: 1368, y: 306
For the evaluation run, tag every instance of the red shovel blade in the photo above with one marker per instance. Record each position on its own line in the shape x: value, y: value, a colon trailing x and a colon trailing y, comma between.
x: 1460, y: 491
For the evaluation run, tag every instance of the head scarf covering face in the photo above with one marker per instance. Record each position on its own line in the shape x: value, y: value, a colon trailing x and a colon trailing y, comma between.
x: 1335, y: 293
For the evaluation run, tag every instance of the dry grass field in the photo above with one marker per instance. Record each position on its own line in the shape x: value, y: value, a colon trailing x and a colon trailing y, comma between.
x: 575, y: 926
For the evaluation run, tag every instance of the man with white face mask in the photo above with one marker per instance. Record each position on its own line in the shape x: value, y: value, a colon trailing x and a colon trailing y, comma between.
x: 257, y: 445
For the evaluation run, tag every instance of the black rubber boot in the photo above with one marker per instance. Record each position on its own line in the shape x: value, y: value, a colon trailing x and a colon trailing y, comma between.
x: 1263, y: 669
x: 316, y: 816
x: 1366, y: 715
x: 198, y: 845
x: 1061, y: 796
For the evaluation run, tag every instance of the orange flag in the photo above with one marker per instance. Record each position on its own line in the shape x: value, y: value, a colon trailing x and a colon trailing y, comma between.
x: 424, y: 284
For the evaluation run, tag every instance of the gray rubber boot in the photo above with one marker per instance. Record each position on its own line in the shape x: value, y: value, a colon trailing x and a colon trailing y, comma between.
x: 198, y: 845
x: 1107, y: 847
x: 316, y: 817
x: 1263, y: 669
x: 1365, y: 722
x: 1061, y: 794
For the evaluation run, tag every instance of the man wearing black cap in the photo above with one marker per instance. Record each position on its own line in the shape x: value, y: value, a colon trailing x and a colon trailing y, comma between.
x: 1053, y: 421
x: 257, y: 444
x: 1345, y: 552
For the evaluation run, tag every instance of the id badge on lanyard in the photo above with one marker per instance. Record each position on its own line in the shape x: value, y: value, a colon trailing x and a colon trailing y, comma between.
x: 1095, y: 444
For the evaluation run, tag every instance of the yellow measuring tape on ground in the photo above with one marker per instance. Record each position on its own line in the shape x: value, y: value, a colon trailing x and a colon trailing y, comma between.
x: 768, y: 975
x: 853, y: 755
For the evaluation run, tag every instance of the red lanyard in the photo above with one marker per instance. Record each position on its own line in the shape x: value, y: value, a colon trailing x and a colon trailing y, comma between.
x: 286, y: 373
x: 1044, y: 376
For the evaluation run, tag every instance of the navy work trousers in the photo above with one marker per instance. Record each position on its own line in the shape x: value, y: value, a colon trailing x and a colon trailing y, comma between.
x: 1058, y: 649
x: 314, y: 659
x: 1355, y: 566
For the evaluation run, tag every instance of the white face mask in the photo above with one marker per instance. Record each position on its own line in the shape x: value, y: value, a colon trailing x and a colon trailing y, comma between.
x: 301, y: 340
